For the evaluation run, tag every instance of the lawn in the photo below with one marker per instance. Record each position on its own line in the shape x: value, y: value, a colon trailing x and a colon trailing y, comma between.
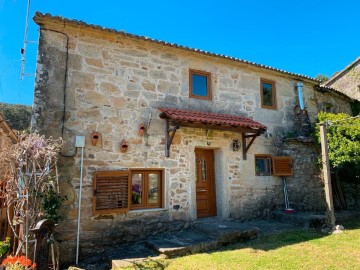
x: 302, y: 249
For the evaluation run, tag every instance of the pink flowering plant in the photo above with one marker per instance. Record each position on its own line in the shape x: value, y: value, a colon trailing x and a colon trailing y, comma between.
x: 31, y: 174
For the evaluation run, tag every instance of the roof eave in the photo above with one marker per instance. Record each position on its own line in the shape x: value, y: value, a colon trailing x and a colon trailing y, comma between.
x: 44, y: 19
x: 342, y: 72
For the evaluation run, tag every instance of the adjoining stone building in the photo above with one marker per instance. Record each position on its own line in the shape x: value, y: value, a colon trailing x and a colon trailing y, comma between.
x: 172, y: 133
x: 347, y: 80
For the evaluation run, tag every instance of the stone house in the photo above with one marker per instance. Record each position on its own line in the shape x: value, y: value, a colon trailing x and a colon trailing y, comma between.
x: 172, y: 134
x: 7, y: 140
x: 347, y: 80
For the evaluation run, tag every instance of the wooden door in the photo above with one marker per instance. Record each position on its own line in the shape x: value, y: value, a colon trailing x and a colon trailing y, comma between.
x: 205, y: 183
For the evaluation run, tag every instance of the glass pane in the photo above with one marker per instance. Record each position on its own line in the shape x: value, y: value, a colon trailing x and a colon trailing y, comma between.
x: 199, y: 85
x: 197, y: 164
x: 153, y: 188
x: 267, y: 94
x: 262, y: 166
x: 203, y: 167
x: 136, y: 188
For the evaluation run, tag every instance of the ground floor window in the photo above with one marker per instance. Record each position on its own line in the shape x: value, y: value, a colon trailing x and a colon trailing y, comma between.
x: 121, y: 191
x: 146, y: 189
x: 271, y: 165
x: 262, y: 164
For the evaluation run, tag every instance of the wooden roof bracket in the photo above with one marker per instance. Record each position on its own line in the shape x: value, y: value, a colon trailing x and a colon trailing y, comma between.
x: 245, y: 147
x: 169, y: 136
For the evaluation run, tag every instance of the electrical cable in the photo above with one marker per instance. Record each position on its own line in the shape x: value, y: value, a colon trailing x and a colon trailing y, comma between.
x: 64, y: 88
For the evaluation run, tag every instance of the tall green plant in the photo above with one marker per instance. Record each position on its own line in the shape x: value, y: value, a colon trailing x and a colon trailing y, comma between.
x: 51, y: 202
x: 343, y: 134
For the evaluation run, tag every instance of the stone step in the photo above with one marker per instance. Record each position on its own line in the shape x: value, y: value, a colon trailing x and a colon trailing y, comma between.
x: 306, y: 220
x: 182, y: 243
x: 312, y: 220
x: 128, y: 255
x: 227, y: 232
x: 203, y: 236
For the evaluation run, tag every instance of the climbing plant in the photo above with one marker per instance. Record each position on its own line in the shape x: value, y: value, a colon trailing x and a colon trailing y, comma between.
x: 343, y: 134
x: 31, y: 179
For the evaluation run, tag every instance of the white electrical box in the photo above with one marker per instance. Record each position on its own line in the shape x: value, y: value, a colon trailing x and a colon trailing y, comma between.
x: 80, y: 141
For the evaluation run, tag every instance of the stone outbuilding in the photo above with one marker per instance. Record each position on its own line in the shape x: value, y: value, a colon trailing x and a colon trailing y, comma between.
x: 347, y: 80
x: 172, y: 134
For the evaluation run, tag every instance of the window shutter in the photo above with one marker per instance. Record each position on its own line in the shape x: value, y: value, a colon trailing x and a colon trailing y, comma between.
x: 111, y: 192
x: 282, y: 166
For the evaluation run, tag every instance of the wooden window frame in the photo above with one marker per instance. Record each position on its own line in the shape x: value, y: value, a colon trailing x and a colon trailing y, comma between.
x: 267, y: 157
x: 128, y: 173
x: 278, y: 165
x: 208, y: 83
x: 274, y: 106
x: 145, y: 204
x: 100, y: 174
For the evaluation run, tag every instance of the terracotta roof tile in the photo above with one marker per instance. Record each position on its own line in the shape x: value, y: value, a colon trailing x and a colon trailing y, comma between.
x: 211, y: 118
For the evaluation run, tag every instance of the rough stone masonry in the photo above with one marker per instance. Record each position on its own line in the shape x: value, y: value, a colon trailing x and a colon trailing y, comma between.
x: 111, y: 82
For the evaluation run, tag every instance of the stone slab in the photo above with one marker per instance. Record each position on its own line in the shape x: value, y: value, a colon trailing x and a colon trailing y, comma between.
x: 182, y: 243
x: 312, y: 220
x: 130, y: 254
x: 205, y: 234
x: 227, y: 231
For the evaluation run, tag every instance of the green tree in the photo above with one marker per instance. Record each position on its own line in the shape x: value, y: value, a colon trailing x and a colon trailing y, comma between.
x: 322, y: 78
x: 17, y: 116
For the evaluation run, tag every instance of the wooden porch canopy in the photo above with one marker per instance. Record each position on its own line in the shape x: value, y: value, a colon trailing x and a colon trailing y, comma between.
x: 176, y: 118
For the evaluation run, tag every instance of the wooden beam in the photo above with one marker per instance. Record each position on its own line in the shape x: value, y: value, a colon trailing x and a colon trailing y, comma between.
x: 169, y: 137
x: 246, y: 147
x: 330, y: 216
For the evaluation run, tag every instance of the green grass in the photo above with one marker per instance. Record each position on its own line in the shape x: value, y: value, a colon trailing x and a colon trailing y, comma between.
x: 303, y: 249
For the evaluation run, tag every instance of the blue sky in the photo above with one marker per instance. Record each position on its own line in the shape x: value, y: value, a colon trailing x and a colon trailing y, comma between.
x: 309, y: 37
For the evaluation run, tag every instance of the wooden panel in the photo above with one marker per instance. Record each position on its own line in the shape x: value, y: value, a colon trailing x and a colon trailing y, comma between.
x: 111, y: 192
x: 205, y: 183
x: 282, y: 166
x: 202, y: 205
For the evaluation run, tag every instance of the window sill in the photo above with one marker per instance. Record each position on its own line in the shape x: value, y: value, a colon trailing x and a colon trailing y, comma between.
x: 268, y: 108
x: 147, y: 210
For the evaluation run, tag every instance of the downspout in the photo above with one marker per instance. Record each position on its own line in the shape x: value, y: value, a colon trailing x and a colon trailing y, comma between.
x: 80, y: 142
x: 299, y: 88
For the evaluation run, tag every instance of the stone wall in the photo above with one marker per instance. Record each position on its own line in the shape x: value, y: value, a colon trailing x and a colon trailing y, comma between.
x: 113, y: 83
x: 306, y: 186
x: 352, y: 195
x: 348, y: 82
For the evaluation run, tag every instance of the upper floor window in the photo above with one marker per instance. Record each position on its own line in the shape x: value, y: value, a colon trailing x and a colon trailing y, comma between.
x: 268, y: 94
x: 200, y: 84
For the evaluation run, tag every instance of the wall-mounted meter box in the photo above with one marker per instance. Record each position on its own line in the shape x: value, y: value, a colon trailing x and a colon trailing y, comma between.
x: 80, y: 141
